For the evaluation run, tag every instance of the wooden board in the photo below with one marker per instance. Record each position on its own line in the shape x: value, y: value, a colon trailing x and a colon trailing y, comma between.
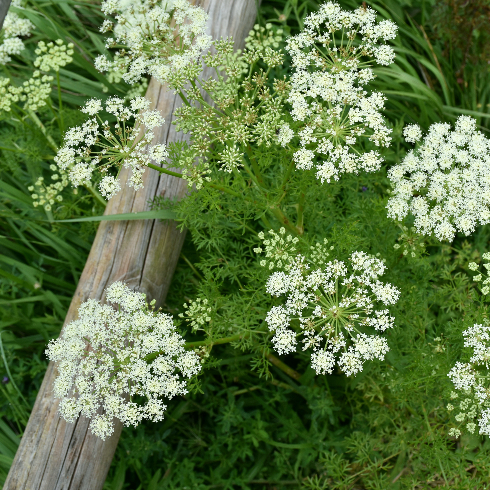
x: 53, y: 454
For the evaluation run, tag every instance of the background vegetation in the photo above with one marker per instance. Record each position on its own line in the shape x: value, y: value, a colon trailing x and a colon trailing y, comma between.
x: 386, y: 428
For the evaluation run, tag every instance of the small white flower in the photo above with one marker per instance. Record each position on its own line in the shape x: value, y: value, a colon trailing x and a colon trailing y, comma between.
x: 412, y: 133
x: 109, y: 186
x: 147, y: 30
x: 92, y: 107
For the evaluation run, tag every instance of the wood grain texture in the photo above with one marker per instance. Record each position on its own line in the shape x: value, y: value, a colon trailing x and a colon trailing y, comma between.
x: 55, y: 455
x: 4, y: 8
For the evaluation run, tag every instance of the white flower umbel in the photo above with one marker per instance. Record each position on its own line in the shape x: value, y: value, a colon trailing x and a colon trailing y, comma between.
x: 14, y: 27
x: 445, y: 182
x: 164, y: 39
x: 280, y: 249
x: 330, y: 60
x: 335, y: 309
x: 470, y: 380
x: 47, y: 195
x: 53, y: 56
x: 119, y: 362
x: 8, y: 94
x: 410, y: 243
x: 96, y: 144
x: 482, y: 278
x: 197, y: 313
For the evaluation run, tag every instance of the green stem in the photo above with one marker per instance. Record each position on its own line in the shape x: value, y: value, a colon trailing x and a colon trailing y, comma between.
x: 284, y: 220
x: 182, y: 96
x: 40, y: 125
x: 282, y: 366
x: 189, y: 263
x: 214, y: 186
x: 95, y: 194
x: 60, y: 103
x: 4, y: 148
x: 224, y: 340
x: 301, y: 207
x: 255, y: 166
x: 49, y: 215
x: 164, y: 170
x: 288, y: 174
x: 229, y: 191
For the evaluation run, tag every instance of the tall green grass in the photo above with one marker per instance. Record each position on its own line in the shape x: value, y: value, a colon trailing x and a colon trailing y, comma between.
x: 41, y: 260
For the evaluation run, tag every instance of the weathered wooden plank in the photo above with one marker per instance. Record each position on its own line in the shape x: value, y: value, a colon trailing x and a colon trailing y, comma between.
x: 54, y: 455
x: 4, y: 8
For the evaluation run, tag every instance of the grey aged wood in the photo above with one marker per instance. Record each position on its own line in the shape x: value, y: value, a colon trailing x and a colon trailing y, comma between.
x: 55, y: 455
x: 4, y: 8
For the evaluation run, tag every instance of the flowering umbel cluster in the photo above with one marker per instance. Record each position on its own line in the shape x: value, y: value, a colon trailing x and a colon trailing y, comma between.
x: 280, y: 249
x: 53, y: 56
x: 164, y: 39
x: 47, y: 195
x: 410, y: 242
x: 445, y: 182
x: 470, y: 379
x: 482, y: 278
x: 331, y: 59
x: 36, y: 91
x: 109, y: 358
x: 334, y: 309
x: 95, y: 144
x: 13, y: 29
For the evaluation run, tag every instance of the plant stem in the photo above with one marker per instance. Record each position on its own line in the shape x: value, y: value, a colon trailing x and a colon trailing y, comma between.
x: 224, y: 340
x: 60, y: 103
x: 96, y: 195
x: 301, y: 207
x: 214, y: 186
x: 40, y: 125
x: 255, y: 167
x: 164, y: 170
x: 189, y: 263
x: 288, y: 174
x: 282, y: 366
x: 283, y: 219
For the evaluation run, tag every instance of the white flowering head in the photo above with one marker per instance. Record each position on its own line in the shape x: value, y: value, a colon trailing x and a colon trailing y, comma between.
x: 197, y: 313
x: 53, y: 56
x: 47, y: 195
x: 481, y: 278
x: 338, y: 310
x: 164, y: 39
x: 409, y: 242
x: 36, y: 91
x: 279, y: 249
x: 9, y: 94
x: 330, y: 70
x: 110, y: 359
x: 13, y: 29
x: 445, y: 182
x: 261, y: 37
x: 97, y: 145
x: 470, y: 380
x: 412, y: 133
